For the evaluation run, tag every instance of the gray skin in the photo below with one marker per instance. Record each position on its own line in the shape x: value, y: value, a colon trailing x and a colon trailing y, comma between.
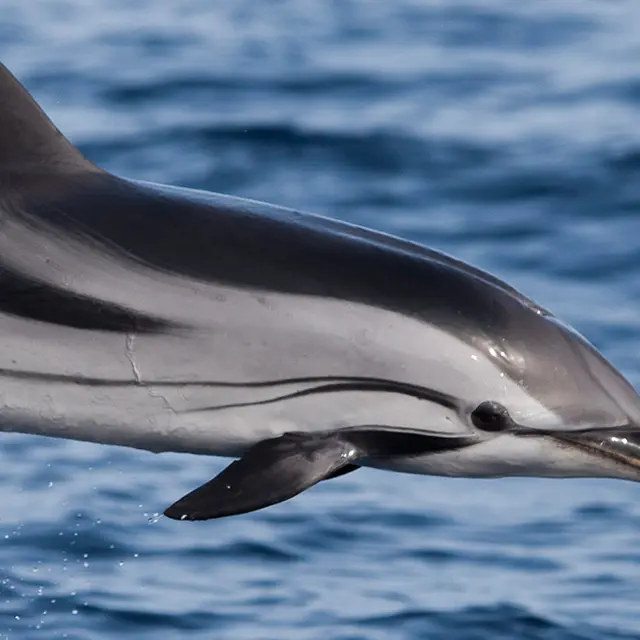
x: 169, y: 319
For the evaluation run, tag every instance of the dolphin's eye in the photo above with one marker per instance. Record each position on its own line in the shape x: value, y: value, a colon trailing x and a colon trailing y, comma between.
x: 491, y: 416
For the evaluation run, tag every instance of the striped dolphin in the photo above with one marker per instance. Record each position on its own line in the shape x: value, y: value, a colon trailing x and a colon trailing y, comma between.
x: 169, y: 319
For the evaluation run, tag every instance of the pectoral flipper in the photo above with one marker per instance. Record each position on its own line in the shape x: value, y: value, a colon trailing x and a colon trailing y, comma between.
x: 278, y: 469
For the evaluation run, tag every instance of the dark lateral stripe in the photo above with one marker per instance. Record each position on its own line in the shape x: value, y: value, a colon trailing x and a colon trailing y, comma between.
x: 420, y: 393
x: 25, y: 297
x: 327, y: 384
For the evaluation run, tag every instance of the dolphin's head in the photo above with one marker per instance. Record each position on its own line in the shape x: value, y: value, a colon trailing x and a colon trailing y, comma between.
x: 537, y: 397
x: 560, y: 408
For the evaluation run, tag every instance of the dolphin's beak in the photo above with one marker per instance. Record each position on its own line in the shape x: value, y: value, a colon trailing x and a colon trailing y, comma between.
x: 618, y: 444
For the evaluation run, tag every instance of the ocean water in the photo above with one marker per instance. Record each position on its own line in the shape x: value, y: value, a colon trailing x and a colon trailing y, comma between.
x: 506, y: 133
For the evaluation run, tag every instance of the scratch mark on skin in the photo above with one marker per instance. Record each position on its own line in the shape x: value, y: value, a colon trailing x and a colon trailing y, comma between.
x: 131, y: 338
x: 137, y: 375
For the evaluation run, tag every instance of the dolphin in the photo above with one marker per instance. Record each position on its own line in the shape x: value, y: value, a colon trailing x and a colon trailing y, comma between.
x: 171, y: 319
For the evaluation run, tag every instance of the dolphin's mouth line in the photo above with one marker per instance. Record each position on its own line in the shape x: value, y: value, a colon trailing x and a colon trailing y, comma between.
x: 621, y: 444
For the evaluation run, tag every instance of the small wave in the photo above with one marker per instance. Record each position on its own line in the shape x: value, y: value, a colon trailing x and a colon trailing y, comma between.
x: 506, y: 560
x: 246, y: 551
x: 499, y: 622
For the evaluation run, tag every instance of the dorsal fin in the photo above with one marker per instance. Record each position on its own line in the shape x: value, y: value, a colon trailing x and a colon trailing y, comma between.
x: 28, y: 139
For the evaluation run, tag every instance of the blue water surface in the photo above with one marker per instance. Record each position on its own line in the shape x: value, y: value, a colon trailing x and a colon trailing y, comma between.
x: 506, y: 133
